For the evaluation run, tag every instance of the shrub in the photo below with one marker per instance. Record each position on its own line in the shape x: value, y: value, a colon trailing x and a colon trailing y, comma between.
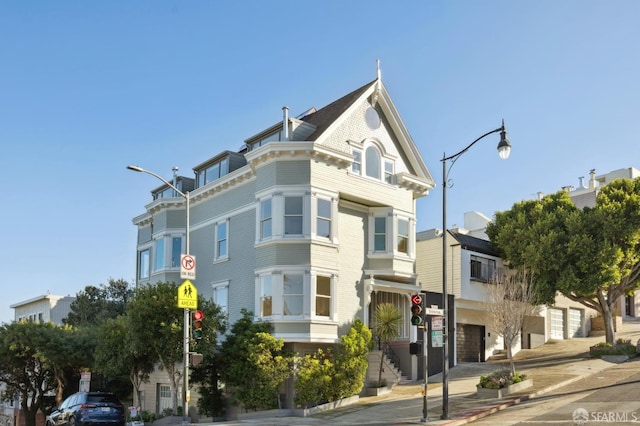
x: 622, y: 347
x: 500, y: 379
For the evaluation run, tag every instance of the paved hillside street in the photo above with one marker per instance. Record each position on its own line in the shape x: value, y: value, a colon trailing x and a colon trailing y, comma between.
x: 565, y: 379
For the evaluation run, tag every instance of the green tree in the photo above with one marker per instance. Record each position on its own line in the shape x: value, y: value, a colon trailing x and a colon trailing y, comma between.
x: 157, y: 325
x: 592, y: 256
x: 117, y: 354
x: 94, y: 305
x: 206, y: 375
x: 387, y: 321
x: 34, y: 357
x: 254, y: 364
x: 332, y: 375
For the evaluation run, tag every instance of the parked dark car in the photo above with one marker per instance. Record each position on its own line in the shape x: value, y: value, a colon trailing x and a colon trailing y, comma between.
x: 87, y: 409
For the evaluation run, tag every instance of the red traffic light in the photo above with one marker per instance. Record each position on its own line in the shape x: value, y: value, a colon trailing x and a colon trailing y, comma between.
x: 198, y: 315
x: 416, y: 299
x: 197, y: 324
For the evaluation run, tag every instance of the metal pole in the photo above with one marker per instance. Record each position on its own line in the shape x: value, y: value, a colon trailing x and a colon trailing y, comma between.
x: 425, y: 364
x: 445, y: 299
x: 187, y: 317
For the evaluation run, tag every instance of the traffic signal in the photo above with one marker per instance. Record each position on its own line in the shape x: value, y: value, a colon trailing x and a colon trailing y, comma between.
x: 198, y: 316
x: 416, y: 309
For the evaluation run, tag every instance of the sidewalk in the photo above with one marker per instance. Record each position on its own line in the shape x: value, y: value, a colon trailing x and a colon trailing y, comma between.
x: 552, y: 365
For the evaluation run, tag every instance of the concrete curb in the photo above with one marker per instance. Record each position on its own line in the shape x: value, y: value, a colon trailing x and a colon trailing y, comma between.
x: 488, y: 410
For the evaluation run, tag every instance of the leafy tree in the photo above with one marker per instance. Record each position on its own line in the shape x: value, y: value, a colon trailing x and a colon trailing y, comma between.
x: 592, y: 256
x: 206, y: 375
x: 117, y: 354
x: 254, y: 364
x: 511, y: 298
x: 157, y: 325
x: 387, y: 320
x: 156, y: 328
x: 95, y: 305
x: 351, y: 361
x: 333, y: 375
x: 32, y: 364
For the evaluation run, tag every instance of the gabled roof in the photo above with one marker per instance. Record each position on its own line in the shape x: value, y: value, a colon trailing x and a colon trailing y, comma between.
x: 327, y: 115
x: 332, y: 115
x: 470, y: 243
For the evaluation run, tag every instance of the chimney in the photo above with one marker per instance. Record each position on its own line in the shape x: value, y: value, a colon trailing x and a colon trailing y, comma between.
x: 581, y: 179
x: 285, y: 124
x: 592, y: 179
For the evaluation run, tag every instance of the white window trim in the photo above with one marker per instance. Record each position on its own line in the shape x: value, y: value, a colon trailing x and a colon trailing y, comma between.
x: 309, y: 215
x: 218, y: 285
x: 384, y: 157
x: 217, y: 257
x: 332, y: 292
x: 277, y: 294
x: 167, y: 237
x: 391, y: 248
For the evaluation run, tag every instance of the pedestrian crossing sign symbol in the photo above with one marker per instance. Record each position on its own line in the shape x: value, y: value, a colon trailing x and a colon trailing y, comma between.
x: 187, y: 295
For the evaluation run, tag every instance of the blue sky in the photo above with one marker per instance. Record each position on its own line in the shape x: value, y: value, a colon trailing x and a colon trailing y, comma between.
x: 89, y: 87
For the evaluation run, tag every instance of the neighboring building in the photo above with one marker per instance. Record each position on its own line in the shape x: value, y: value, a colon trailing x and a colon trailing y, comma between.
x: 45, y: 308
x: 472, y: 262
x: 310, y: 225
x: 9, y: 410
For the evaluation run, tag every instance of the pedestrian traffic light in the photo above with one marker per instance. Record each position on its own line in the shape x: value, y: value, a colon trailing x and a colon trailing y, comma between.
x: 198, y: 316
x: 416, y: 309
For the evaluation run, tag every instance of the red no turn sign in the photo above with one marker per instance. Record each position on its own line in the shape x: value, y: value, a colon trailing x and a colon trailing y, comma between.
x: 188, y: 267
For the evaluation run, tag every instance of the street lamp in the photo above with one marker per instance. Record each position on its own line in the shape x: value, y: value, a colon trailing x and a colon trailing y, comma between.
x: 504, y: 149
x: 185, y: 195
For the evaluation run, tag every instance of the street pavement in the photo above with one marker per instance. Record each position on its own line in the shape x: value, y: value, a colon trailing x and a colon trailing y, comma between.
x: 551, y: 366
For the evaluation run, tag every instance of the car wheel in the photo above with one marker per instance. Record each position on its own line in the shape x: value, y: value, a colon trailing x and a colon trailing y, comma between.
x: 72, y: 421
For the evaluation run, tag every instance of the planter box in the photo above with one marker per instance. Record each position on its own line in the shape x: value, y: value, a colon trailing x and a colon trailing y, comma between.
x: 500, y: 393
x: 377, y: 391
x: 615, y: 358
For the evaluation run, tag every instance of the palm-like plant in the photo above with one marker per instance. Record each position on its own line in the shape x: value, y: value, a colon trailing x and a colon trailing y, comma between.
x: 387, y: 320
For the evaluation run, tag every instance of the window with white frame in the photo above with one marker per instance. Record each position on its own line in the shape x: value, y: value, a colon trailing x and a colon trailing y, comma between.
x: 221, y: 250
x: 159, y: 254
x: 390, y: 233
x: 266, y: 296
x: 372, y: 162
x: 380, y: 233
x: 323, y: 218
x: 221, y: 296
x: 266, y: 220
x: 323, y: 296
x: 293, y: 215
x: 213, y: 172
x: 356, y: 166
x: 388, y: 171
x: 482, y: 269
x: 176, y: 251
x: 292, y: 294
x: 402, y: 238
x: 143, y: 264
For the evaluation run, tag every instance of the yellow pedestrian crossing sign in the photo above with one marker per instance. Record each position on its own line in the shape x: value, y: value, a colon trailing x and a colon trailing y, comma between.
x: 187, y: 295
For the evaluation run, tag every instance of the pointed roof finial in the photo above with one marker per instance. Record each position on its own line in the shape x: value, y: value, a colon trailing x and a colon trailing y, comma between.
x: 378, y: 70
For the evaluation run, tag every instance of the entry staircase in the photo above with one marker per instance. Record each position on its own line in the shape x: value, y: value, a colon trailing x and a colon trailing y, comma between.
x: 391, y: 373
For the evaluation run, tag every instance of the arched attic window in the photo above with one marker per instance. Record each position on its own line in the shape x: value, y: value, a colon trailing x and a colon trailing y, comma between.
x: 372, y: 162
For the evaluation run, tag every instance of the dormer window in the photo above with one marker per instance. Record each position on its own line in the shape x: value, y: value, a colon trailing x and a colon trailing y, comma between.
x: 271, y: 137
x: 213, y: 172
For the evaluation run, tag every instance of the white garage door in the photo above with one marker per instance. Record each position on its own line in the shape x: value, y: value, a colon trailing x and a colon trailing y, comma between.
x: 575, y: 322
x: 557, y: 324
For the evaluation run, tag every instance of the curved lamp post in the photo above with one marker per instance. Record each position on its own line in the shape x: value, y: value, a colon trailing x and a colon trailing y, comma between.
x: 504, y: 149
x: 185, y: 195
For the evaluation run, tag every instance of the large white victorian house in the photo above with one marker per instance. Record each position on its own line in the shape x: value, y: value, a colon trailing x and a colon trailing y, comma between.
x: 310, y: 225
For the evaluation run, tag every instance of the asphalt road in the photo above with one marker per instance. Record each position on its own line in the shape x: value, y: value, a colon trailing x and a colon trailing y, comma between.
x: 610, y: 397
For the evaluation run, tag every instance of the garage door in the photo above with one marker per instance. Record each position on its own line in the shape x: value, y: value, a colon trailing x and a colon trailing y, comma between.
x: 557, y: 324
x: 575, y: 322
